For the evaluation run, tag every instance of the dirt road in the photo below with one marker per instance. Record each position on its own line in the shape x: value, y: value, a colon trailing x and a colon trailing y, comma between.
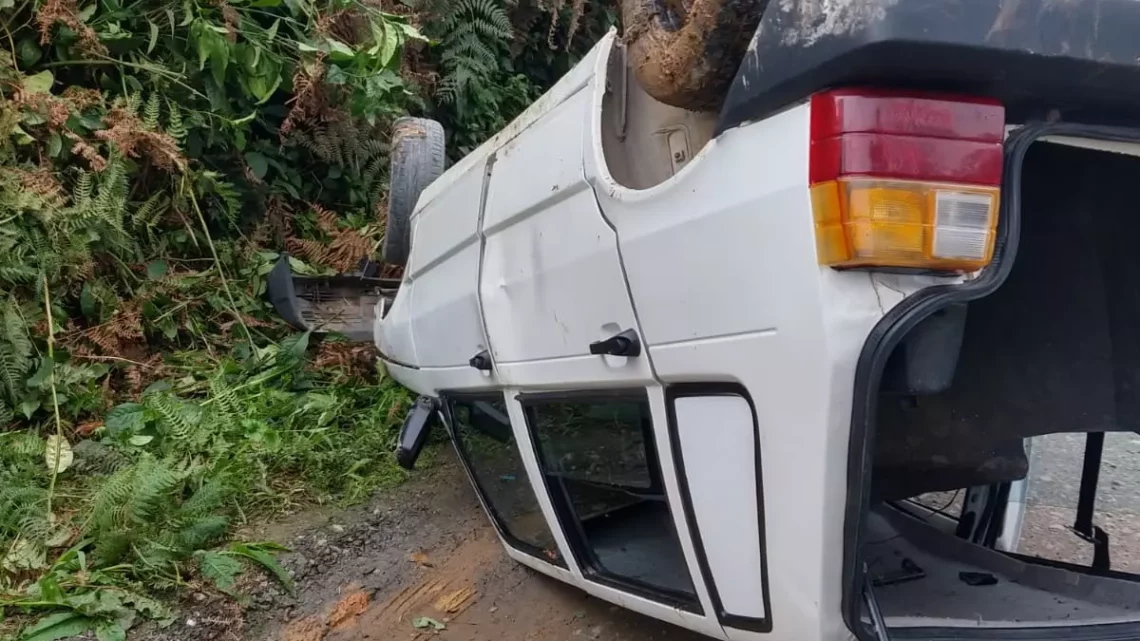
x: 426, y: 554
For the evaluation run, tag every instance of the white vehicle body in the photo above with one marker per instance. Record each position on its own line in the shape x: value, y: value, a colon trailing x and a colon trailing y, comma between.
x: 530, y: 249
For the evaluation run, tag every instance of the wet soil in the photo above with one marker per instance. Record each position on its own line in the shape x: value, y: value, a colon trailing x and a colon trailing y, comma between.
x: 426, y: 553
x: 423, y: 554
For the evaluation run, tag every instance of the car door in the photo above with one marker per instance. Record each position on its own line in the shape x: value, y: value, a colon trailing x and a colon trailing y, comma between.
x: 552, y: 283
x: 566, y: 345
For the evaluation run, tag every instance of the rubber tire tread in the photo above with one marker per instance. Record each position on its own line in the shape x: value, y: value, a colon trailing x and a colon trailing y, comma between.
x: 418, y: 157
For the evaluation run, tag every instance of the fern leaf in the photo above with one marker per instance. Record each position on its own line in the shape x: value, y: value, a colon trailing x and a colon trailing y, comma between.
x: 107, y: 506
x: 16, y: 331
x: 177, y: 419
x: 133, y: 102
x: 13, y: 371
x: 151, y: 111
x: 154, y: 483
x: 111, y: 547
x: 226, y: 404
x: 203, y: 532
x: 174, y: 127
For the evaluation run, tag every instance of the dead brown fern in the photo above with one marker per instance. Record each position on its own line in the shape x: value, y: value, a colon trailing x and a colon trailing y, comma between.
x: 133, y: 139
x: 310, y: 99
x: 42, y: 182
x: 67, y: 12
x: 347, y: 361
x: 139, y: 375
x: 54, y: 110
x: 341, y: 252
x: 116, y: 336
x: 86, y: 151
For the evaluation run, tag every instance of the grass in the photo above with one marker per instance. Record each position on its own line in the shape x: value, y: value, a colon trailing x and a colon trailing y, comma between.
x: 145, y: 506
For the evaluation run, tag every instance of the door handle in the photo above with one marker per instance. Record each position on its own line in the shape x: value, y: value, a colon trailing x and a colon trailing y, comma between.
x: 624, y: 344
x: 481, y: 361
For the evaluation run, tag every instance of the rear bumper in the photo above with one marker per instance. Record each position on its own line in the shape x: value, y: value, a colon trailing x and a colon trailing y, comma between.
x: 1032, y: 55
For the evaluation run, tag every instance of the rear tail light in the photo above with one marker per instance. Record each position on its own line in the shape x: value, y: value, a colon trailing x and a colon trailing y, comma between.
x: 899, y: 180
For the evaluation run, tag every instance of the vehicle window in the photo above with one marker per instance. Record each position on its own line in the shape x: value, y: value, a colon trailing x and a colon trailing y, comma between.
x: 601, y: 465
x: 485, y: 441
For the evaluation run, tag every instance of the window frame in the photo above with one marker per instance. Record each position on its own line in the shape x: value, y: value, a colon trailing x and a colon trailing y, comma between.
x: 447, y: 400
x: 588, y: 562
x: 683, y: 390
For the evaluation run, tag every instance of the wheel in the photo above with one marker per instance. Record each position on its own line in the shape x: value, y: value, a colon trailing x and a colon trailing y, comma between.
x: 417, y: 159
x: 685, y: 53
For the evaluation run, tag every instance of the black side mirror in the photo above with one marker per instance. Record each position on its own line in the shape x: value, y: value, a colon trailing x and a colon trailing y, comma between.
x: 414, y: 433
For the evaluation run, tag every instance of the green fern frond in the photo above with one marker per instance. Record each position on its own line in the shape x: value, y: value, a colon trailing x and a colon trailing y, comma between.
x: 109, y: 204
x: 17, y: 505
x: 208, y: 498
x: 151, y: 112
x: 174, y: 126
x: 154, y: 483
x: 468, y: 50
x: 112, y: 546
x: 132, y: 102
x: 203, y: 532
x: 177, y: 419
x: 16, y: 330
x: 108, y: 504
x: 84, y: 188
x: 225, y: 401
x: 13, y: 371
x: 149, y: 214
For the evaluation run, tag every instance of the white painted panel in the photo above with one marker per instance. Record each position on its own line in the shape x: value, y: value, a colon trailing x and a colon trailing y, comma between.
x: 552, y: 281
x: 448, y: 223
x: 431, y: 381
x: 445, y: 311
x: 393, y: 331
x: 723, y: 273
x: 723, y: 246
x: 578, y: 77
x: 718, y: 447
x: 540, y: 167
x: 577, y: 372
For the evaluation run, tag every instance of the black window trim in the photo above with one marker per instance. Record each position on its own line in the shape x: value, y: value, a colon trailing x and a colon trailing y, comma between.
x: 684, y: 390
x: 447, y: 398
x: 587, y: 561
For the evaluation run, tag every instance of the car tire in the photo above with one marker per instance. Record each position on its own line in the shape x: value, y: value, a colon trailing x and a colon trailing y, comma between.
x: 687, y: 58
x: 418, y: 157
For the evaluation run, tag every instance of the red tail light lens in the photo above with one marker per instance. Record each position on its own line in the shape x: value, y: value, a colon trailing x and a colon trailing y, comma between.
x: 905, y: 180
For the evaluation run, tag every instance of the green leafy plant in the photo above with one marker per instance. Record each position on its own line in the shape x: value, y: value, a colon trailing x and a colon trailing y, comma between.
x: 156, y: 159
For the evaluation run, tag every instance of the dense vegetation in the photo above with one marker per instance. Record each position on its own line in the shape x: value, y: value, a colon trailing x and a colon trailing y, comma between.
x: 155, y: 159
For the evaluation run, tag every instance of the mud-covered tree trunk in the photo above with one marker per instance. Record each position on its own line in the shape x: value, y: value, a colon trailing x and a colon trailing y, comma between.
x: 688, y: 57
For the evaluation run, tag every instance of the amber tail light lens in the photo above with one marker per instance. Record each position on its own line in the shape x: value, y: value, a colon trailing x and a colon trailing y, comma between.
x: 902, y: 180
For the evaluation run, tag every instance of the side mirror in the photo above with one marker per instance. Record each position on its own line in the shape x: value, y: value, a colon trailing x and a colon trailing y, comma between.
x: 415, y: 430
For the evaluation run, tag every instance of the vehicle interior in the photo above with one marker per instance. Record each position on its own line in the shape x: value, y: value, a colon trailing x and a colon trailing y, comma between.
x: 600, y: 465
x: 645, y: 140
x: 1052, y: 351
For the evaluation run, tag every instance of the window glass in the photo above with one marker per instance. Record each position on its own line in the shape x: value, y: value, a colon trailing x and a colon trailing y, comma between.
x: 485, y: 441
x: 600, y: 461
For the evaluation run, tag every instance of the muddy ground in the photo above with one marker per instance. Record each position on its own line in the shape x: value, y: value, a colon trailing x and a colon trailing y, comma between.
x: 426, y: 551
